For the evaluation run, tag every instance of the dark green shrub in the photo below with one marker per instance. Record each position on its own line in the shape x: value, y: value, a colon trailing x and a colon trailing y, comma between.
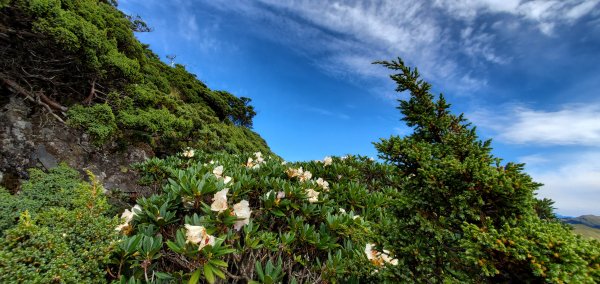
x: 459, y: 214
x: 97, y: 120
x: 66, y: 238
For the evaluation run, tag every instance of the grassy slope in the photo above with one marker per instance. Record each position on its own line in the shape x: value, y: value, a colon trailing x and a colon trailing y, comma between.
x: 586, y: 231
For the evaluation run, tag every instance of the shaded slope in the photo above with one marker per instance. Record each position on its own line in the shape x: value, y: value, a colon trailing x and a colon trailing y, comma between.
x: 81, y: 62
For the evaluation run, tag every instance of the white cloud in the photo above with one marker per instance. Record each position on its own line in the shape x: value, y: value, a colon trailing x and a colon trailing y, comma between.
x: 572, y: 180
x: 571, y: 125
x: 545, y: 13
x: 344, y: 37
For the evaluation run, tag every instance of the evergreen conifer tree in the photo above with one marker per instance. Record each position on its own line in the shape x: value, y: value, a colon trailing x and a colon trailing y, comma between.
x: 459, y: 212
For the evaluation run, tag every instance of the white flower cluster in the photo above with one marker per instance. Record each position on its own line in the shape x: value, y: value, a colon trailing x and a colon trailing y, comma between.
x: 197, y: 235
x: 188, y: 152
x: 240, y: 209
x: 313, y: 196
x: 218, y: 172
x: 379, y: 258
x: 327, y: 161
x: 323, y: 184
x: 299, y: 173
x: 254, y: 163
x: 306, y: 176
x: 127, y: 216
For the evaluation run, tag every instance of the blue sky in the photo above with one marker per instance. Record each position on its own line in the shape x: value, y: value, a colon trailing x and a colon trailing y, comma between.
x: 527, y: 73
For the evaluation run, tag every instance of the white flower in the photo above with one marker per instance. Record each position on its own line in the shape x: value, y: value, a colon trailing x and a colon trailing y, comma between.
x: 250, y: 163
x: 197, y: 235
x: 241, y: 210
x: 342, y: 210
x: 280, y: 194
x: 379, y: 258
x: 291, y: 172
x: 385, y: 256
x: 121, y: 227
x: 227, y: 179
x: 322, y: 183
x: 188, y: 152
x: 128, y: 215
x: 218, y: 171
x: 371, y: 253
x: 327, y: 161
x: 313, y: 196
x: 305, y: 176
x: 211, y: 162
x: 259, y: 158
x: 220, y: 201
x: 355, y: 217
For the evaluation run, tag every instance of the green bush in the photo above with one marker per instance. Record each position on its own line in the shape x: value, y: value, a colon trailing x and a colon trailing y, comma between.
x: 295, y: 220
x: 97, y: 120
x: 459, y: 214
x: 167, y: 106
x: 63, y: 234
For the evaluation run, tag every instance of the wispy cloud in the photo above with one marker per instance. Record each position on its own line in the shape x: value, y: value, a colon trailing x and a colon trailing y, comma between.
x: 574, y: 185
x: 545, y: 13
x: 570, y: 125
x: 451, y: 41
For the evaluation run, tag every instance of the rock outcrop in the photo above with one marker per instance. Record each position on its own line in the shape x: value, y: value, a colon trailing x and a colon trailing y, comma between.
x: 30, y: 137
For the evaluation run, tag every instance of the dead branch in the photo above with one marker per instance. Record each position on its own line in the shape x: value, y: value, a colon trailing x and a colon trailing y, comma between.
x: 39, y: 99
x: 92, y: 94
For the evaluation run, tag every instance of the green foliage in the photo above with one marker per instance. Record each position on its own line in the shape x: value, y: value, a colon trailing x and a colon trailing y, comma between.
x: 534, y: 250
x: 143, y: 99
x: 66, y: 237
x: 4, y: 3
x: 41, y: 191
x: 470, y: 218
x: 160, y: 122
x: 97, y: 120
x: 288, y: 227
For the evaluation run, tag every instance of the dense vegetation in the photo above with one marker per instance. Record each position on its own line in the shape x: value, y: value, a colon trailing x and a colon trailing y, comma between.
x: 57, y: 229
x: 439, y: 208
x: 81, y: 61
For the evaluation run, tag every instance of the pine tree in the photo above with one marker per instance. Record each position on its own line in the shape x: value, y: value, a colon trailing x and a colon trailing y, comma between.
x: 453, y: 194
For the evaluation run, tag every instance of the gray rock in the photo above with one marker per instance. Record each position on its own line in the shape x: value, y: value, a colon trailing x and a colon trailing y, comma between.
x: 48, y: 161
x: 29, y: 137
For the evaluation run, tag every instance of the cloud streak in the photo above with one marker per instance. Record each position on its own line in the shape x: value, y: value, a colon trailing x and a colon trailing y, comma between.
x: 571, y: 125
x: 545, y: 13
x: 451, y: 41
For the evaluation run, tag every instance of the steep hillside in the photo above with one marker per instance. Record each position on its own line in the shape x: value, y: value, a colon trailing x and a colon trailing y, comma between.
x: 75, y: 80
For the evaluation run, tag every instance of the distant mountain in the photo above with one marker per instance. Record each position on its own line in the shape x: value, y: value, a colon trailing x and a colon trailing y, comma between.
x: 562, y: 216
x: 588, y: 220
